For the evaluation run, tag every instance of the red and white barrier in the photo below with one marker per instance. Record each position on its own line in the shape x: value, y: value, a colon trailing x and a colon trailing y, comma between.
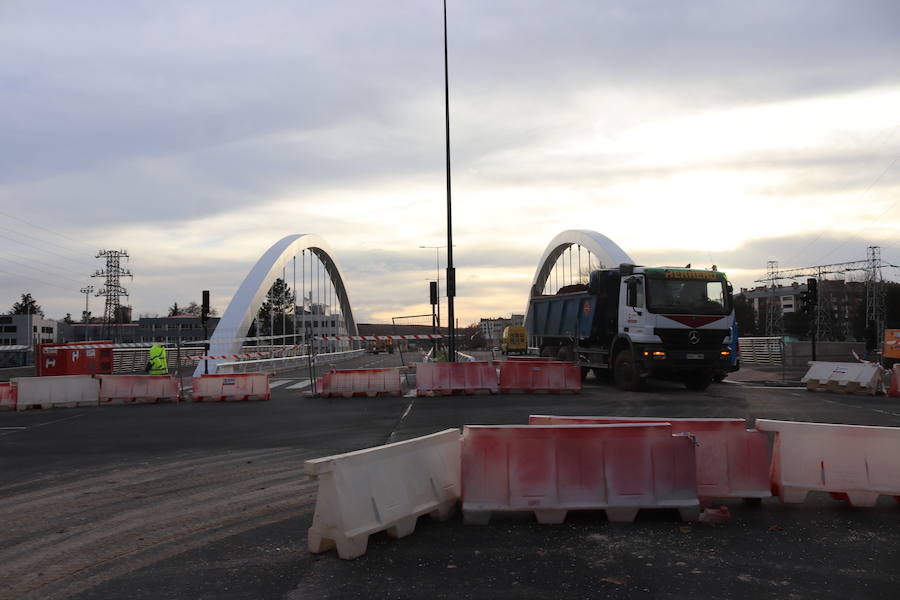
x: 386, y: 488
x: 57, y: 391
x: 444, y: 378
x: 7, y: 396
x: 732, y: 461
x: 235, y: 386
x: 852, y: 462
x: 529, y: 376
x: 346, y: 383
x: 551, y: 469
x: 127, y: 389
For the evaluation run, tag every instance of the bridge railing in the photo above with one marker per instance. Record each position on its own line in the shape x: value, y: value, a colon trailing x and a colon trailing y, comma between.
x: 285, y: 363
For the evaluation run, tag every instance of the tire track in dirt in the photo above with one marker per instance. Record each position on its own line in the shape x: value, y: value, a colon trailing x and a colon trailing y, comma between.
x: 65, y: 539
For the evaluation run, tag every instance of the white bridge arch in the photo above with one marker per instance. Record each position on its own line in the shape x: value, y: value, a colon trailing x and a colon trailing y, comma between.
x: 607, y: 252
x: 248, y: 298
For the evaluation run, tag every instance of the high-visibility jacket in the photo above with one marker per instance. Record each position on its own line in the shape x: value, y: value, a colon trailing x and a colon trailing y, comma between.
x: 157, y: 363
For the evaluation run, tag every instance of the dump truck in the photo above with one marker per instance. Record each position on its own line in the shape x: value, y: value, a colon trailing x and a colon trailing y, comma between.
x: 637, y: 322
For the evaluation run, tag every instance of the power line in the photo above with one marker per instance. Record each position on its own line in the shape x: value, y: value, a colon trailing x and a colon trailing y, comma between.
x: 34, y: 279
x: 8, y: 252
x: 861, y: 196
x: 69, y: 258
x: 49, y: 230
x: 27, y: 266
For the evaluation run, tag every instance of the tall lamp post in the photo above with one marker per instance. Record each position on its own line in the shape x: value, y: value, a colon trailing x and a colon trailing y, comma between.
x: 451, y: 272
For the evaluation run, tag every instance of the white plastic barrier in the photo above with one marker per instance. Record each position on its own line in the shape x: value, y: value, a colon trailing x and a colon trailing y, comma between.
x: 845, y: 377
x: 852, y: 462
x: 51, y: 392
x: 385, y: 488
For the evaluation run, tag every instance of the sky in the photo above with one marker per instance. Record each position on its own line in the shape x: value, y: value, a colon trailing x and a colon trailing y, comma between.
x: 196, y: 134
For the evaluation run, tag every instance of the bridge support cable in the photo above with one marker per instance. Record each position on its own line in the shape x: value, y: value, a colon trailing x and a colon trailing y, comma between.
x: 607, y: 252
x: 244, y: 306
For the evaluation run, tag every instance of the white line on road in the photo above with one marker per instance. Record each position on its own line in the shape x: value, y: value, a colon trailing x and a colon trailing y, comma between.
x: 279, y: 382
x: 13, y: 428
x: 59, y: 420
x: 298, y: 386
x: 884, y: 412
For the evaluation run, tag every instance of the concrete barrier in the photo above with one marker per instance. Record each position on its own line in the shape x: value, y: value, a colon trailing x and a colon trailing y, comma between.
x: 852, y: 462
x: 346, y: 383
x: 7, y: 396
x: 442, y: 378
x: 732, y: 461
x: 235, y: 386
x: 551, y: 469
x: 386, y: 488
x: 528, y: 376
x: 843, y: 377
x: 56, y: 392
x: 126, y: 389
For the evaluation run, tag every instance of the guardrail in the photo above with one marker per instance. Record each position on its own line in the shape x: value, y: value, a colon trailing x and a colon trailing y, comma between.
x: 274, y: 365
x: 133, y: 360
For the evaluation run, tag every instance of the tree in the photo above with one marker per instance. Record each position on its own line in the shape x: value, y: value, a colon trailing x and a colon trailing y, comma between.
x: 27, y: 306
x: 68, y: 319
x: 279, y: 302
x: 192, y: 310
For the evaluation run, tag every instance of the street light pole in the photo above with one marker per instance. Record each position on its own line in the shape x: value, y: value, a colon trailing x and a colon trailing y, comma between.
x: 451, y: 272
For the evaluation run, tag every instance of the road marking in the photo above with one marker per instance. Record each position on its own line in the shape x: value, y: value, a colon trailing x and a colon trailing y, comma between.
x: 884, y: 412
x: 13, y: 428
x: 771, y: 387
x: 279, y: 382
x: 298, y: 386
x: 59, y: 420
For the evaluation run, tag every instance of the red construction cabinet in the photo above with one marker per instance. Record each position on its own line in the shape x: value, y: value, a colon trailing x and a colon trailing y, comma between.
x: 87, y: 358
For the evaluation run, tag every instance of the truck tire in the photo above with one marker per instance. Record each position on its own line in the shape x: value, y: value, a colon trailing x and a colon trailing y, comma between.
x: 566, y: 354
x: 698, y: 380
x: 625, y: 372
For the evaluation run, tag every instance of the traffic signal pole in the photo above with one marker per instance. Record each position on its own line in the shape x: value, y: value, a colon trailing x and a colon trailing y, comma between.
x: 812, y: 295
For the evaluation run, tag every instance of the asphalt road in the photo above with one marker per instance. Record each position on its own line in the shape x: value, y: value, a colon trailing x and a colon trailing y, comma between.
x: 210, y: 501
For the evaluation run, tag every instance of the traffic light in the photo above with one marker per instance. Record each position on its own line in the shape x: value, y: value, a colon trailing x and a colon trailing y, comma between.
x: 804, y: 302
x: 204, y: 309
x: 812, y: 292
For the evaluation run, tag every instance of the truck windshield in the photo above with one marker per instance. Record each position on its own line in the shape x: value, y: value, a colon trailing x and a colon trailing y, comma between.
x: 688, y: 296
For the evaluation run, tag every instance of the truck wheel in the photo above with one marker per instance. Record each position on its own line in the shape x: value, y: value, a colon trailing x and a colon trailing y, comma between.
x: 625, y: 372
x: 699, y: 380
x: 601, y: 374
x: 566, y: 354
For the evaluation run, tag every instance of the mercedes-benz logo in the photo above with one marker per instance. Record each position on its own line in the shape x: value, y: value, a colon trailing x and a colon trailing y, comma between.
x: 694, y: 337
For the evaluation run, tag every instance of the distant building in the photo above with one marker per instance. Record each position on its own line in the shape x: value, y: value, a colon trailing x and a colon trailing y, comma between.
x: 492, y: 329
x: 841, y: 304
x: 186, y: 328
x: 24, y: 330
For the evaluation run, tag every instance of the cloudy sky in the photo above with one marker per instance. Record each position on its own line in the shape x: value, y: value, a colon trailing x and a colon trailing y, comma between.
x: 196, y: 134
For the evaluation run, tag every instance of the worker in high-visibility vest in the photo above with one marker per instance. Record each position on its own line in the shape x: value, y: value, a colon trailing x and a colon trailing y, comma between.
x: 157, y: 365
